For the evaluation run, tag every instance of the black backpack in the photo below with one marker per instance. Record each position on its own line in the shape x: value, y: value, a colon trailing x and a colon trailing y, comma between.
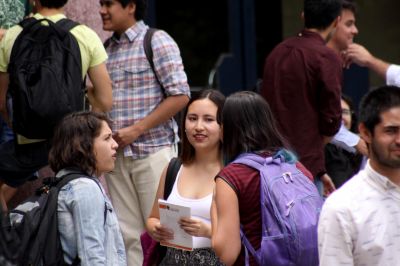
x: 29, y: 233
x: 45, y: 73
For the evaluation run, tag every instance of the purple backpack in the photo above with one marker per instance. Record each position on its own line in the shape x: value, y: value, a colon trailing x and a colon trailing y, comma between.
x: 290, y: 208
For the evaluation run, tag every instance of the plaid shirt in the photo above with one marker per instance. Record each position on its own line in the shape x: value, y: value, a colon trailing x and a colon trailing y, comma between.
x: 136, y: 92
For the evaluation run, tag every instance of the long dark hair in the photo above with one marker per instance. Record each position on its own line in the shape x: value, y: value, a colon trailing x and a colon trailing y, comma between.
x: 73, y: 141
x: 249, y: 126
x: 188, y: 152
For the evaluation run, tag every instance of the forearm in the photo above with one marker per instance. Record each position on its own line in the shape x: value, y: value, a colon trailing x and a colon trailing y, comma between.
x: 225, y: 223
x: 98, y: 106
x: 167, y: 109
x: 3, y: 97
x: 100, y: 102
x: 378, y: 66
x: 100, y: 91
x: 214, y: 218
x: 225, y: 251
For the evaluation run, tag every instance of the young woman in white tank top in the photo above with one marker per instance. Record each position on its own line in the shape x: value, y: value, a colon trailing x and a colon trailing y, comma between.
x: 201, y: 161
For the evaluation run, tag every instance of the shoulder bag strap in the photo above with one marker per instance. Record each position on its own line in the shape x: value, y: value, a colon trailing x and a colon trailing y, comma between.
x: 148, y: 50
x: 67, y: 24
x: 172, y: 171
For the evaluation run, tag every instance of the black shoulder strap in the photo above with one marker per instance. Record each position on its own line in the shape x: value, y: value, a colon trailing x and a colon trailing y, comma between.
x: 172, y: 171
x: 25, y: 22
x: 147, y: 45
x: 67, y: 24
x: 107, y: 43
x: 148, y: 50
x: 64, y: 23
x: 62, y: 181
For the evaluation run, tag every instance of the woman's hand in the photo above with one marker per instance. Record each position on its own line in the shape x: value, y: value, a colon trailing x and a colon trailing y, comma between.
x: 161, y: 233
x: 195, y: 227
x: 329, y: 187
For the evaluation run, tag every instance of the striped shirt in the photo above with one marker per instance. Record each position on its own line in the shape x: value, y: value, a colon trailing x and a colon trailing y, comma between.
x: 360, y: 222
x: 136, y: 92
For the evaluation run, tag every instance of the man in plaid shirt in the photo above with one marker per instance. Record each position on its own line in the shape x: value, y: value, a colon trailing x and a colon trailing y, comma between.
x: 142, y: 114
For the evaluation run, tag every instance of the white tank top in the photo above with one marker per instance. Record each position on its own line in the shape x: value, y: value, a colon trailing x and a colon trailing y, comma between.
x: 200, y: 209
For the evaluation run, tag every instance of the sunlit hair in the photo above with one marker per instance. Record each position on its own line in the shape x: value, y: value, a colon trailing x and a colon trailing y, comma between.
x: 188, y: 152
x: 73, y: 141
x: 249, y: 126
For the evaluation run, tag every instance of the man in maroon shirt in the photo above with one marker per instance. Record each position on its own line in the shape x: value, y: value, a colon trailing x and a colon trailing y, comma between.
x: 302, y: 84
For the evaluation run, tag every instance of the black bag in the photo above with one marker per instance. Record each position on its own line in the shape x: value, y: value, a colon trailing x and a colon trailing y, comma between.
x: 45, y: 73
x: 29, y: 233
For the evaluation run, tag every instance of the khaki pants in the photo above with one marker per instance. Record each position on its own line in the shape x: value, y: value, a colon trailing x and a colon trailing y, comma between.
x: 132, y: 186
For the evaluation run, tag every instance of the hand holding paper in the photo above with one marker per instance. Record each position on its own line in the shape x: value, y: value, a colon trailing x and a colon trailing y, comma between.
x: 195, y: 227
x: 170, y: 215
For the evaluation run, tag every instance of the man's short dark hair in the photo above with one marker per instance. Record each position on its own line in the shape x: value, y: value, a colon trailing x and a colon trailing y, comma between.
x: 349, y: 5
x: 375, y: 102
x: 141, y: 6
x: 319, y: 14
x: 53, y: 3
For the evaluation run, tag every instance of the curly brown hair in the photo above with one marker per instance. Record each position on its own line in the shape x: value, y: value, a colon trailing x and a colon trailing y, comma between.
x: 73, y: 140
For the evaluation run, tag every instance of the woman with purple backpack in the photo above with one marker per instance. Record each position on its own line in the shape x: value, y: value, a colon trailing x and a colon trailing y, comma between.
x: 250, y: 129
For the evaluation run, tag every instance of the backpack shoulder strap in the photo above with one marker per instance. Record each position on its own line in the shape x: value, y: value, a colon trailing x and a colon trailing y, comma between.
x: 107, y: 43
x: 148, y: 50
x: 172, y: 170
x: 62, y: 181
x: 147, y: 45
x: 253, y: 160
x: 67, y: 24
x: 25, y: 22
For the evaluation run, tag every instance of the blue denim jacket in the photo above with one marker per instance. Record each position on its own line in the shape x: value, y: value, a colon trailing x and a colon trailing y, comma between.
x: 85, y: 228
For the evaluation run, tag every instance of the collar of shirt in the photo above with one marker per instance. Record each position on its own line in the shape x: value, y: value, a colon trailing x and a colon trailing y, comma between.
x: 55, y: 17
x: 131, y: 33
x: 380, y: 181
x: 310, y: 34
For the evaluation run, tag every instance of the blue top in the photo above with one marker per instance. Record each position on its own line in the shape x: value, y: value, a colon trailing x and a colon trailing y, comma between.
x: 85, y: 228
